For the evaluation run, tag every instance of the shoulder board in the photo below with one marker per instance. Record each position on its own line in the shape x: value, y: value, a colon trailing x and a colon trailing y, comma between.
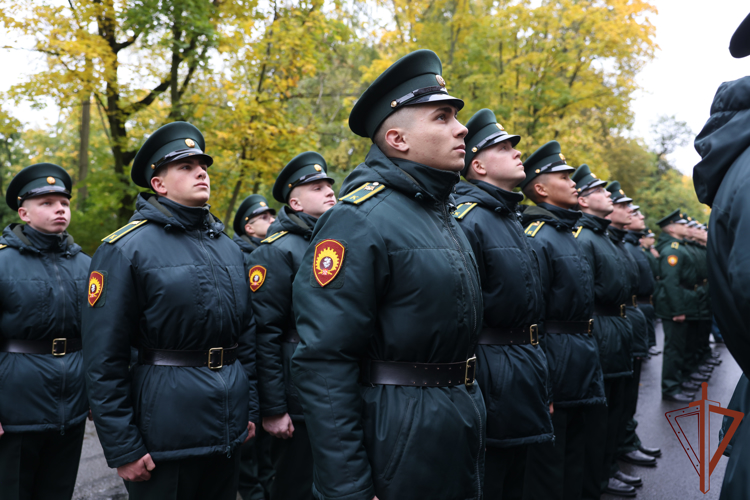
x: 3, y: 246
x: 363, y: 192
x: 463, y: 209
x: 124, y: 230
x: 675, y: 245
x: 274, y: 237
x: 533, y: 228
x: 576, y: 232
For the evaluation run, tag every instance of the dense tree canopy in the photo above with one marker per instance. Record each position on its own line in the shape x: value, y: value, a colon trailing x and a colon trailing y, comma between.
x: 265, y: 81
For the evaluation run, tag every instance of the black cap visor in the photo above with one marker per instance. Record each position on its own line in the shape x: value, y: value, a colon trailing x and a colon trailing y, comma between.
x: 261, y: 210
x: 622, y: 199
x: 44, y: 191
x: 497, y: 138
x: 182, y: 154
x: 307, y: 179
x: 592, y: 185
x: 423, y: 99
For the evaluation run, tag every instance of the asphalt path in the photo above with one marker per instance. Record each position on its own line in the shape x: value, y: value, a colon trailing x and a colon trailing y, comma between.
x: 674, y: 478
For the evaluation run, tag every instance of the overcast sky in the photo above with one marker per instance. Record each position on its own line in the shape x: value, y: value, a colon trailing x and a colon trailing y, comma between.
x: 692, y: 60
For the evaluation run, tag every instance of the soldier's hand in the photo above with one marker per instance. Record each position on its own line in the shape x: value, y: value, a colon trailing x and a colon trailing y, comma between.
x: 250, y: 432
x: 279, y: 426
x: 679, y: 319
x: 552, y: 408
x: 137, y: 471
x: 91, y: 416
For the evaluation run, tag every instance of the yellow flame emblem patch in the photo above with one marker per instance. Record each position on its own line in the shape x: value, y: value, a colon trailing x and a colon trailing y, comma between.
x: 96, y: 286
x: 257, y: 277
x: 329, y: 255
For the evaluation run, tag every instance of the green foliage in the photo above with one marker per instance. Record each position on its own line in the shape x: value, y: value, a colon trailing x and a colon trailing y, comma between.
x: 265, y: 81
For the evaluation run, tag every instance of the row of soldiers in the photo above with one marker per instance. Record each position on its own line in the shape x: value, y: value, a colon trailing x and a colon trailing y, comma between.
x: 418, y: 337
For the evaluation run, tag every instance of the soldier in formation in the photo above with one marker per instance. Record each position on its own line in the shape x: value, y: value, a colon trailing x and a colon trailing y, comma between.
x: 423, y: 338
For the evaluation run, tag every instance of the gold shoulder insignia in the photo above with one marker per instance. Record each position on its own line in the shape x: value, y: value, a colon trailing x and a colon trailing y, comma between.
x: 675, y: 245
x: 463, y: 209
x: 274, y: 237
x: 533, y: 228
x: 124, y: 230
x: 363, y: 193
x: 577, y: 231
x: 3, y: 246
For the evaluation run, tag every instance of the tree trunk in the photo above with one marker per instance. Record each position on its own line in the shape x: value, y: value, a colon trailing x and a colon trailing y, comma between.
x: 83, y: 152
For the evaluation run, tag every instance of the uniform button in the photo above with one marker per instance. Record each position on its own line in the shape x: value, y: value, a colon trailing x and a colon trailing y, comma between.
x: 419, y: 196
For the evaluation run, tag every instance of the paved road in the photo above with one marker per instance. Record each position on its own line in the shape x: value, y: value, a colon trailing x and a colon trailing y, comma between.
x: 673, y: 479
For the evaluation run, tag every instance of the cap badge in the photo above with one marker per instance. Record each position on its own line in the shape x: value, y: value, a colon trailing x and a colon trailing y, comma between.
x: 318, y: 167
x: 500, y: 127
x: 562, y: 157
x: 262, y: 203
x: 440, y: 80
x: 50, y: 180
x: 622, y: 192
x: 190, y: 143
x: 329, y: 256
x: 594, y: 176
x: 257, y: 277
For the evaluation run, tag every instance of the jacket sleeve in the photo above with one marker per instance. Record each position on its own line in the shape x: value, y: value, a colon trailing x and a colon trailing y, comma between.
x: 335, y: 325
x: 248, y: 358
x: 678, y: 299
x: 108, y: 330
x: 272, y: 305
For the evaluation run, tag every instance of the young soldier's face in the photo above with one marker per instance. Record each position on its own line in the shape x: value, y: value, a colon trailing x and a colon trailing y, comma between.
x: 184, y: 181
x: 638, y: 223
x: 621, y: 215
x: 434, y: 137
x: 647, y: 242
x: 596, y: 201
x: 502, y: 164
x: 258, y: 225
x: 48, y: 214
x: 560, y: 189
x: 313, y: 198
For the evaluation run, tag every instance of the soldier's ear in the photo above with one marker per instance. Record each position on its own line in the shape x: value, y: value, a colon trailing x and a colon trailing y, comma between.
x: 396, y: 140
x: 23, y: 213
x: 540, y: 190
x: 158, y: 184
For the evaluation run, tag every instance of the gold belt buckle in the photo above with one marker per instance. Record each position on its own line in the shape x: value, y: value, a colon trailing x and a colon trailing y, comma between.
x: 221, y: 358
x: 55, y: 352
x: 534, y: 334
x: 470, y: 365
x: 635, y: 301
x: 622, y: 311
x: 591, y: 326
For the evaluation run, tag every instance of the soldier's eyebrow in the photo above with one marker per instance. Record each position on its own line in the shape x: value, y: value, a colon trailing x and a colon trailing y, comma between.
x: 446, y: 109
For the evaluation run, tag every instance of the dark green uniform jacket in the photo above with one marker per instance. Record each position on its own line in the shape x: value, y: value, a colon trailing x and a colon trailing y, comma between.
x: 512, y: 297
x: 675, y: 285
x: 635, y: 316
x: 408, y: 291
x: 176, y: 282
x: 703, y: 313
x: 42, y: 292
x: 611, y: 288
x: 568, y: 288
x: 721, y: 181
x: 281, y: 256
x: 645, y: 275
x: 247, y: 244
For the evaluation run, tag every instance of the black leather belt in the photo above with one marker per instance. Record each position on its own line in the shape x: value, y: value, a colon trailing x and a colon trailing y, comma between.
x: 522, y: 335
x: 419, y: 374
x: 213, y: 358
x: 646, y: 299
x: 290, y: 336
x: 569, y: 327
x: 56, y: 347
x: 692, y: 288
x: 610, y: 310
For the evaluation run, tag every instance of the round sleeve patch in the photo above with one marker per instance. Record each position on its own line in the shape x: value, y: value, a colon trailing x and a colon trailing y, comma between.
x: 672, y: 260
x: 257, y: 277
x: 329, y: 256
x: 96, y: 287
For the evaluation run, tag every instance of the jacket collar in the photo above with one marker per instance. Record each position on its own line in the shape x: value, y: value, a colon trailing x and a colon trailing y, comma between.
x: 489, y: 196
x: 246, y: 243
x: 561, y: 218
x: 412, y: 179
x: 633, y: 237
x: 25, y: 238
x: 617, y: 235
x: 596, y: 224
x: 171, y: 214
x: 293, y: 222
